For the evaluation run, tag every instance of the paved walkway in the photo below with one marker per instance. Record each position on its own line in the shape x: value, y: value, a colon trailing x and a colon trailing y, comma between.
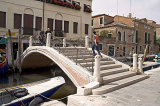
x: 144, y: 93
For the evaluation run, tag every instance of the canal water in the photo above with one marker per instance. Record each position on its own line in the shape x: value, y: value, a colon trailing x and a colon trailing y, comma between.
x: 33, y: 75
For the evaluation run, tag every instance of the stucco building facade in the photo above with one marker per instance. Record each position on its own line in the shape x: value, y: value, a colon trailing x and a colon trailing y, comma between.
x: 70, y: 19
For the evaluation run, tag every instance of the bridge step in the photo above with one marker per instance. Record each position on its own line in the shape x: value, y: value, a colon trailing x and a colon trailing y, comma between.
x: 70, y: 48
x: 89, y: 60
x: 89, y: 64
x: 118, y: 76
x: 113, y: 71
x: 110, y: 66
x: 118, y: 84
x: 81, y: 56
x: 75, y: 53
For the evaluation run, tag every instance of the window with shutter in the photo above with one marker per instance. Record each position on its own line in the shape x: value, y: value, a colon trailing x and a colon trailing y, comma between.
x: 2, y: 19
x: 38, y: 23
x: 66, y: 26
x: 75, y: 27
x: 86, y: 29
x: 28, y: 24
x: 17, y: 21
x: 50, y: 24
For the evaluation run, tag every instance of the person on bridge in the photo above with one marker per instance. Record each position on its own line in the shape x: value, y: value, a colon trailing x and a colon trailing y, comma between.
x: 95, y: 44
x: 42, y: 37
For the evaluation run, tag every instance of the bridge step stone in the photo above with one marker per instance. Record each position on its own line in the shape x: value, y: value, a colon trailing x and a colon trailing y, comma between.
x: 89, y: 64
x: 118, y: 84
x: 113, y: 71
x: 118, y: 76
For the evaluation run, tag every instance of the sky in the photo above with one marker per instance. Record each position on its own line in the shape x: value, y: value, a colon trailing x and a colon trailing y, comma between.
x: 149, y: 9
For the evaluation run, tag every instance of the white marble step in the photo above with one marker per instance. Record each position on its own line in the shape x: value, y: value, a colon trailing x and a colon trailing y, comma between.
x: 113, y: 71
x: 110, y: 66
x: 118, y: 76
x: 89, y: 64
x: 118, y: 84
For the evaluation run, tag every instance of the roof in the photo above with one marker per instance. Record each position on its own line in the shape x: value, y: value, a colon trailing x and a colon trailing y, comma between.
x: 101, y: 15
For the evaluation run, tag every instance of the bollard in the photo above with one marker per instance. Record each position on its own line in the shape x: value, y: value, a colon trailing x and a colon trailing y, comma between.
x: 140, y: 65
x: 97, y: 68
x: 64, y: 42
x: 135, y: 56
x: 30, y: 41
x: 87, y: 42
x: 48, y: 43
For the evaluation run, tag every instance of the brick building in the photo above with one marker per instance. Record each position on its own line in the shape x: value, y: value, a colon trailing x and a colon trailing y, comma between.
x: 129, y: 34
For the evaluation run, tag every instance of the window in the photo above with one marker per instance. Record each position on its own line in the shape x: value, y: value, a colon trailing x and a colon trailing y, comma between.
x: 140, y: 48
x: 17, y: 21
x: 2, y: 19
x: 50, y: 24
x: 148, y: 38
x: 66, y: 26
x: 28, y: 24
x: 58, y: 25
x: 86, y: 29
x: 92, y: 22
x: 75, y: 27
x: 145, y: 38
x: 100, y: 46
x: 155, y: 37
x: 101, y: 20
x: 38, y: 23
x: 119, y: 36
x: 109, y: 35
x: 124, y: 36
x: 136, y: 36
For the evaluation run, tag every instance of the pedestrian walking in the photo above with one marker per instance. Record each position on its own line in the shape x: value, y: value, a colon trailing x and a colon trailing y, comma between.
x: 95, y: 44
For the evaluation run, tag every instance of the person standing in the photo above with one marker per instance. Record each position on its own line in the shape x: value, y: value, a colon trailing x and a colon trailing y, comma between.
x: 42, y: 37
x: 95, y: 44
x: 48, y: 31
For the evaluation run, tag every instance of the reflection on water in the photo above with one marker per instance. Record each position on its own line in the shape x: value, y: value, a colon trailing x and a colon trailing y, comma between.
x: 32, y: 75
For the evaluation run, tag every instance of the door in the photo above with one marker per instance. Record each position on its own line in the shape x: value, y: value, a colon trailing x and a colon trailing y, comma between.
x: 111, y: 50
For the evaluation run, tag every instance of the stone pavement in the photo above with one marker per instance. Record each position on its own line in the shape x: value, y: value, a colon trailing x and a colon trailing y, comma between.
x: 144, y: 93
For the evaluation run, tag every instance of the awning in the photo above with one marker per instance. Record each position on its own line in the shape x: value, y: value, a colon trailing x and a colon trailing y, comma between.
x: 3, y: 41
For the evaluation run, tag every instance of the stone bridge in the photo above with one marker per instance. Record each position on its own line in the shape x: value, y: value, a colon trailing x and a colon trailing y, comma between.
x: 91, y: 75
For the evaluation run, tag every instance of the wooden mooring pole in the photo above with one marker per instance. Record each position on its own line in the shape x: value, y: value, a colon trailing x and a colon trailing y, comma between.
x: 11, y: 47
x: 19, y: 51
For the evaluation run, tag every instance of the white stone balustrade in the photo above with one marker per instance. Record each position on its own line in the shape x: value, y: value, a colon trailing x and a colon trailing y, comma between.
x: 48, y: 43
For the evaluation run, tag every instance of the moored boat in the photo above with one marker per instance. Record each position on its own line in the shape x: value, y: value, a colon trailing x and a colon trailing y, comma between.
x: 30, y: 93
x: 3, y: 64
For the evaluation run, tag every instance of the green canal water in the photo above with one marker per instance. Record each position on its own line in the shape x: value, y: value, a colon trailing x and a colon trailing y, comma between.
x: 33, y: 75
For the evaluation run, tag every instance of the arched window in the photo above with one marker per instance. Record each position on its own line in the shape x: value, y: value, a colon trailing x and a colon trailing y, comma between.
x: 119, y: 36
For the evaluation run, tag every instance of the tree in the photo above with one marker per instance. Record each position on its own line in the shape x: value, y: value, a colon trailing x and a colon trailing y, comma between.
x: 158, y: 41
x: 104, y: 33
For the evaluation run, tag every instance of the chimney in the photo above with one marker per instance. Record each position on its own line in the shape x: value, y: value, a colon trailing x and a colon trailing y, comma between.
x: 130, y: 15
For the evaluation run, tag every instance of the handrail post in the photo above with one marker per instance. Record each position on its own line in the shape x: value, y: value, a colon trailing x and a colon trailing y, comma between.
x: 48, y: 43
x: 97, y: 68
x: 140, y: 65
x: 30, y: 41
x: 135, y: 56
x: 64, y: 42
x: 86, y: 41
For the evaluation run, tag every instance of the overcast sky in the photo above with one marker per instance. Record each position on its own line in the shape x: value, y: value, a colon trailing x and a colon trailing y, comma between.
x: 149, y: 9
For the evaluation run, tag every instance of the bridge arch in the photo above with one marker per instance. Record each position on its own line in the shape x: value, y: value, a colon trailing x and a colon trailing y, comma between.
x: 41, y: 57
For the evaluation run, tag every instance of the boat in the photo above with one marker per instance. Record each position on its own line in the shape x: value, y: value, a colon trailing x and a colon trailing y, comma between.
x: 3, y: 64
x: 31, y: 94
x: 3, y: 59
